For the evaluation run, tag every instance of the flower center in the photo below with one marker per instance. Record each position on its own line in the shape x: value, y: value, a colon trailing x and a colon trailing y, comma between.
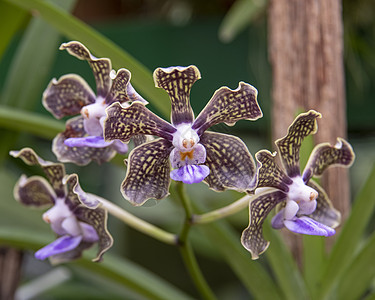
x: 185, y: 138
x: 300, y: 192
x: 93, y: 114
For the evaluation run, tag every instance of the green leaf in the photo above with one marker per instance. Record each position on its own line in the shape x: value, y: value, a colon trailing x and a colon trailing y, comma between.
x: 241, y: 14
x: 349, y: 239
x: 27, y: 75
x: 101, y: 46
x: 25, y: 121
x: 284, y: 266
x: 359, y: 275
x: 251, y: 273
x: 116, y: 269
x: 12, y: 18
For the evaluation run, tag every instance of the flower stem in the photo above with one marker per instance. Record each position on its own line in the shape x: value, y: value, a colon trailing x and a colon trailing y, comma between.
x: 222, y: 212
x: 137, y: 223
x: 186, y: 250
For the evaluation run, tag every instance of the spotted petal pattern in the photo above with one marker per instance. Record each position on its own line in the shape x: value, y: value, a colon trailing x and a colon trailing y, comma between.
x: 252, y: 237
x: 124, y: 123
x: 229, y: 106
x: 54, y: 171
x: 289, y: 146
x: 34, y: 191
x: 230, y: 163
x: 66, y: 96
x: 270, y: 174
x: 118, y: 91
x: 324, y: 155
x: 100, y: 66
x: 148, y: 172
x: 177, y: 82
x: 76, y: 195
x: 324, y: 212
x: 97, y: 218
x: 78, y: 155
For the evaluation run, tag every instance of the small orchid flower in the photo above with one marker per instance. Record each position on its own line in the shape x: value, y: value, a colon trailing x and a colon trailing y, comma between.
x: 221, y: 160
x: 306, y: 208
x: 75, y: 216
x: 82, y: 140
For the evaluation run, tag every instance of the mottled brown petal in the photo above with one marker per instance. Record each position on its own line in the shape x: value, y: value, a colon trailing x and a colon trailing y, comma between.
x: 55, y: 172
x: 270, y: 174
x: 78, y: 155
x: 229, y: 106
x: 124, y: 123
x: 118, y: 91
x: 230, y: 163
x: 252, y: 237
x: 177, y: 82
x: 289, y: 146
x: 67, y: 96
x: 148, y: 172
x: 100, y: 66
x: 324, y: 213
x: 34, y: 191
x: 97, y: 218
x: 325, y: 155
x: 76, y: 195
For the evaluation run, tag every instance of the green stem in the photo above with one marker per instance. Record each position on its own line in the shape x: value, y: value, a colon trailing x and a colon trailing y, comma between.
x: 223, y: 212
x: 186, y: 250
x: 137, y: 223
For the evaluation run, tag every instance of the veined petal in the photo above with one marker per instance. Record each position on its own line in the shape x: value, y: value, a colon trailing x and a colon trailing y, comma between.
x: 61, y: 245
x: 305, y: 225
x: 118, y: 91
x: 97, y: 218
x: 67, y: 96
x: 324, y: 212
x: 148, y: 172
x: 78, y: 155
x: 76, y: 196
x: 190, y: 173
x: 324, y: 155
x: 34, y: 191
x: 177, y: 82
x: 277, y: 221
x: 54, y: 171
x: 87, y: 141
x: 289, y: 146
x: 270, y: 174
x: 230, y: 163
x: 229, y: 106
x: 252, y: 237
x: 124, y: 123
x: 101, y: 67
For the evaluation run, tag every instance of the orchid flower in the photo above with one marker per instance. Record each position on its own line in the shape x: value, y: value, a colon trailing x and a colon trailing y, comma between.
x: 75, y: 217
x: 82, y: 140
x: 221, y: 160
x: 306, y: 208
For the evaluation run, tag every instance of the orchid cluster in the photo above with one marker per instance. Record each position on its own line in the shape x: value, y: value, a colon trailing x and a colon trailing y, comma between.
x: 181, y: 150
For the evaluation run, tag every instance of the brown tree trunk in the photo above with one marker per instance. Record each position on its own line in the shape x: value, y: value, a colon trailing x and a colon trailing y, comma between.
x: 10, y: 272
x: 306, y: 54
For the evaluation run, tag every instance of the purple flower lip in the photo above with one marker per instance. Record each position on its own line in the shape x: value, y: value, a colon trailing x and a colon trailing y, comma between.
x: 190, y: 173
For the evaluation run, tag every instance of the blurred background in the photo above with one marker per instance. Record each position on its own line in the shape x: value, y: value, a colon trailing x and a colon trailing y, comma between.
x: 159, y: 34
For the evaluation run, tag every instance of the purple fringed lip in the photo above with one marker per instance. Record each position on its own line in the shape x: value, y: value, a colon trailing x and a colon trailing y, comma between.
x: 61, y: 245
x: 190, y: 173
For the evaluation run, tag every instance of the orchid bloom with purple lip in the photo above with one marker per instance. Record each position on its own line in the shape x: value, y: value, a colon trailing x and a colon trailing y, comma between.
x: 76, y: 217
x: 83, y: 141
x: 220, y: 160
x: 306, y: 208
